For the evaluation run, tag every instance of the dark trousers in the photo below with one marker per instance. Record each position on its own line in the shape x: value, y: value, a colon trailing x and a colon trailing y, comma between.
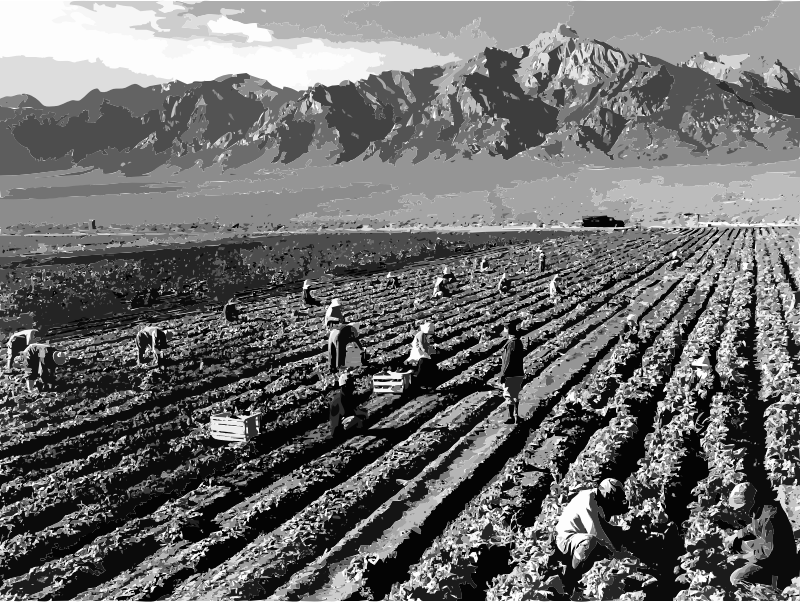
x: 761, y: 572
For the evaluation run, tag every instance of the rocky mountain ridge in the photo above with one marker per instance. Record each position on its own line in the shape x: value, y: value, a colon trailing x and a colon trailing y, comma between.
x: 560, y: 98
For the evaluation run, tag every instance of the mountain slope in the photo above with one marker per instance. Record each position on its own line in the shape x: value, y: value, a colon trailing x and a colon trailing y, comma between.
x: 560, y: 98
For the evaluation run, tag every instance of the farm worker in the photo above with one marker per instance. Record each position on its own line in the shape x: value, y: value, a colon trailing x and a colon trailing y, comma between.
x: 17, y: 343
x: 230, y: 311
x: 795, y: 299
x: 630, y: 331
x: 504, y: 285
x: 392, y: 281
x: 485, y: 264
x: 512, y: 373
x: 764, y: 536
x: 555, y: 289
x: 584, y: 524
x: 541, y: 259
x: 342, y: 405
x: 448, y: 276
x: 339, y: 337
x: 440, y: 288
x: 333, y: 314
x: 155, y: 339
x: 308, y: 300
x: 40, y: 361
x: 421, y: 352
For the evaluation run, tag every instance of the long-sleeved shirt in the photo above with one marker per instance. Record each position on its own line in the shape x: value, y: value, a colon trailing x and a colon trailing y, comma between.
x: 583, y: 515
x: 38, y: 358
x: 769, y: 535
x: 439, y: 285
x: 151, y: 336
x: 333, y: 313
x: 22, y: 339
x: 420, y: 347
x: 554, y: 288
x: 513, y: 358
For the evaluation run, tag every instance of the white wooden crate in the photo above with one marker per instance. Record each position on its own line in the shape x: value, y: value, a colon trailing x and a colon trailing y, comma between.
x: 393, y: 382
x: 225, y: 427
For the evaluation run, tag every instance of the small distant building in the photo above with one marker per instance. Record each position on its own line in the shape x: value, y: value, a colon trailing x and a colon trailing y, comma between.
x: 601, y: 221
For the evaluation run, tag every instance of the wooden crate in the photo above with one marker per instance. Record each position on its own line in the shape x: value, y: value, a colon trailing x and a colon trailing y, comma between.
x: 393, y: 382
x: 225, y: 427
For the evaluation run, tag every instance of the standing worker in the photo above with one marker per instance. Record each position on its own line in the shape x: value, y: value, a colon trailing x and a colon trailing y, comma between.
x: 342, y: 405
x: 512, y: 373
x: 230, y: 311
x: 421, y: 352
x: 541, y: 259
x: 308, y: 299
x: 338, y: 339
x: 156, y: 340
x: 555, y: 289
x: 764, y: 536
x: 584, y: 524
x: 40, y: 361
x: 17, y: 343
x: 392, y: 281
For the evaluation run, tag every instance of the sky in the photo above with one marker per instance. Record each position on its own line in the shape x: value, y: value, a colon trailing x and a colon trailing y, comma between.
x: 60, y: 51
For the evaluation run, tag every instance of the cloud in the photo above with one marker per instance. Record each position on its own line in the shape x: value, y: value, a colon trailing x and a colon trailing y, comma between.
x: 126, y: 37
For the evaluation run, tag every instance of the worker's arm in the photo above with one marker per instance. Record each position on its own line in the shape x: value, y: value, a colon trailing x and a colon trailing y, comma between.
x: 594, y: 523
x: 506, y: 361
x: 761, y: 547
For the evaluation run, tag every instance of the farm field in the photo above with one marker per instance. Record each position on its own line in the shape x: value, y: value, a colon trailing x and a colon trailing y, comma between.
x: 111, y: 487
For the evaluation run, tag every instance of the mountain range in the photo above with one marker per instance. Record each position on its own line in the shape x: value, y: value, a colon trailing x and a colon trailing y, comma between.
x: 561, y: 98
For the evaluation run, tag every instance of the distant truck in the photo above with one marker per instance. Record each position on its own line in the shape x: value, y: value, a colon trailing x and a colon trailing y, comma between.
x: 601, y: 221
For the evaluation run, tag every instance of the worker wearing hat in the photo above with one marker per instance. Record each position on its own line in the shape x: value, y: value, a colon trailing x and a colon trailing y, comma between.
x: 512, y: 373
x: 448, y: 276
x: 421, y: 352
x: 630, y: 330
x: 17, y: 343
x: 583, y: 529
x: 541, y: 259
x: 334, y: 314
x: 154, y: 339
x: 41, y: 360
x: 392, y: 281
x: 338, y: 339
x: 230, y: 311
x: 308, y: 299
x: 343, y: 404
x: 763, y: 539
x: 504, y: 285
x: 485, y: 264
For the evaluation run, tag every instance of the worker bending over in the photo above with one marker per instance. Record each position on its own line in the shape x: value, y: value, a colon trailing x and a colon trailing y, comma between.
x: 154, y: 339
x: 504, y: 285
x: 440, y: 288
x: 583, y: 533
x: 485, y: 264
x: 17, y: 343
x: 392, y: 281
x: 230, y: 311
x: 763, y: 539
x: 40, y: 360
x: 334, y: 314
x: 308, y: 299
x: 448, y: 276
x: 342, y: 405
x: 630, y: 331
x: 338, y: 339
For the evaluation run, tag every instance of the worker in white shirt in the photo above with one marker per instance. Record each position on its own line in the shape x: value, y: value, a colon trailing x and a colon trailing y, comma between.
x: 584, y: 525
x: 17, y: 343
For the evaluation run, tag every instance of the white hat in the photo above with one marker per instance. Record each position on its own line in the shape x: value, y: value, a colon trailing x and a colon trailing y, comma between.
x: 307, y: 284
x: 389, y: 275
x: 446, y: 269
x: 335, y: 303
x: 703, y: 362
x: 427, y: 328
x: 631, y: 317
x: 60, y: 358
x: 343, y: 379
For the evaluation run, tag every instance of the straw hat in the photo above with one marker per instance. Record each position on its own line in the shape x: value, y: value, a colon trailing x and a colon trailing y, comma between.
x: 631, y: 317
x: 307, y: 284
x: 427, y: 328
x: 703, y: 362
x: 389, y: 275
x: 343, y: 379
x: 335, y: 303
x: 60, y: 358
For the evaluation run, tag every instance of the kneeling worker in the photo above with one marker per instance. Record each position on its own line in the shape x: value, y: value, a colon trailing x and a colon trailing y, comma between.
x: 308, y: 299
x: 17, y: 343
x: 584, y: 524
x: 342, y: 405
x: 230, y: 311
x: 154, y: 339
x: 40, y: 361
